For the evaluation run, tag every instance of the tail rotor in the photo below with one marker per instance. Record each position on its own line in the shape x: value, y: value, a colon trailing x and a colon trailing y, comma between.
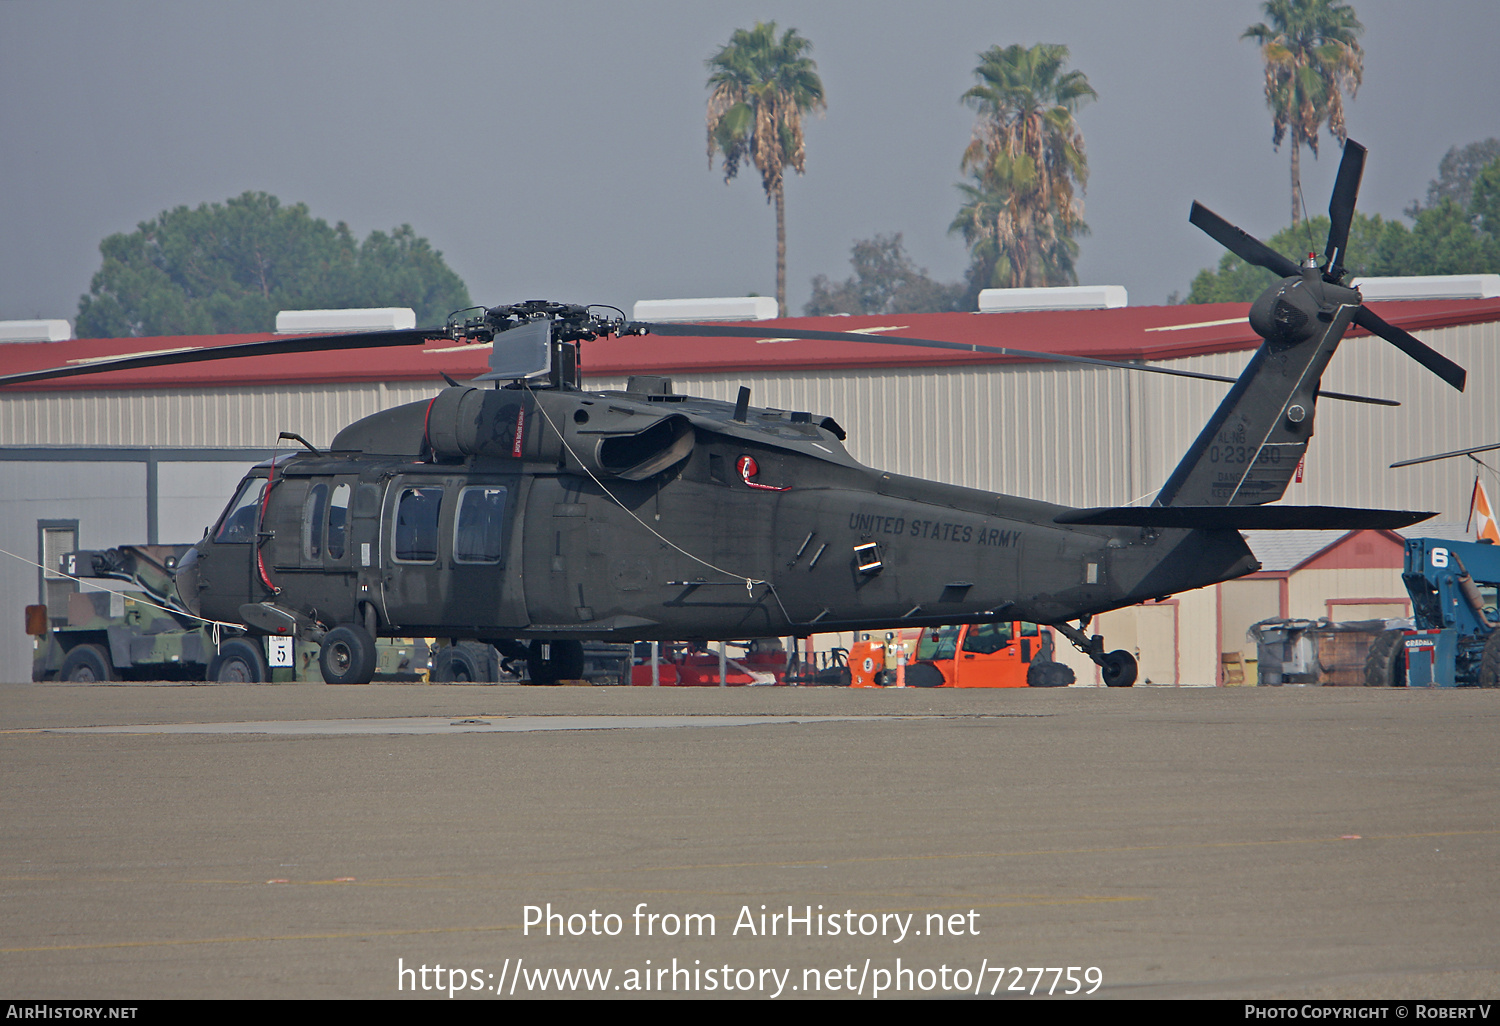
x: 1341, y: 218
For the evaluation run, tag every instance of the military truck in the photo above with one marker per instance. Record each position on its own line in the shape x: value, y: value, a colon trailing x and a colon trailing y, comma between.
x: 144, y: 633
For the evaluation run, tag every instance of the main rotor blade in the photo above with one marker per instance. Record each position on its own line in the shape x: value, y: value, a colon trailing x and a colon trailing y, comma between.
x: 1341, y: 206
x: 728, y: 331
x: 202, y: 354
x: 1240, y: 242
x: 1413, y: 347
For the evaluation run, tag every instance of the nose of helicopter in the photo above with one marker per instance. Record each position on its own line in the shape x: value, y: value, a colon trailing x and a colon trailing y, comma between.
x: 186, y: 578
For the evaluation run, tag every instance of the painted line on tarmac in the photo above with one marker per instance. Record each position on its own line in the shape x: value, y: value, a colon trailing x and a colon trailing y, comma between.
x: 1047, y: 852
x: 460, y: 725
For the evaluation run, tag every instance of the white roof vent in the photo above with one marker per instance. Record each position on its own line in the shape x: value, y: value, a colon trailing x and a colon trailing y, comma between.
x: 1070, y: 297
x: 386, y: 318
x: 1431, y: 286
x: 735, y: 308
x: 35, y: 331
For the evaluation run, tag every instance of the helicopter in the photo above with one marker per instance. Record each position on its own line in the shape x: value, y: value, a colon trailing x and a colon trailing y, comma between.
x: 535, y: 515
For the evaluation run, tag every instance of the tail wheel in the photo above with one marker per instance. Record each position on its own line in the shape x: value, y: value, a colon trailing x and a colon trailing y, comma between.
x: 550, y: 662
x: 1118, y: 668
x: 348, y: 655
x: 1385, y: 665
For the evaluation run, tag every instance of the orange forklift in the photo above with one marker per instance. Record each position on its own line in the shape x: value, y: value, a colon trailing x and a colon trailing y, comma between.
x: 1010, y: 654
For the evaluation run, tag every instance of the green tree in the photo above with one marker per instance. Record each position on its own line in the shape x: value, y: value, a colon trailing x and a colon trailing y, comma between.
x: 1236, y: 281
x: 230, y: 267
x: 885, y: 281
x: 1456, y: 174
x: 1484, y: 199
x: 760, y: 86
x: 1023, y: 204
x: 1444, y: 239
x: 1312, y: 58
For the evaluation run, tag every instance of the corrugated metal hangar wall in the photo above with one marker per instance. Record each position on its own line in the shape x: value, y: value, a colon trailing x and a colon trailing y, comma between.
x: 1073, y: 435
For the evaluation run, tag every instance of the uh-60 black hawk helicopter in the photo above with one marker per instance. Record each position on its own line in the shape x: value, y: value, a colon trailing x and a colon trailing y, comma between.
x: 535, y: 515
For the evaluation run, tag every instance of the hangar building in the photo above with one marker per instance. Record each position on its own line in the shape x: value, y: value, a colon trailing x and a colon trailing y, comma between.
x: 153, y: 455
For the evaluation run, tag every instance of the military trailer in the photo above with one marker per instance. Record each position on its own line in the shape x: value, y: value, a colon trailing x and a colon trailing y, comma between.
x: 144, y: 633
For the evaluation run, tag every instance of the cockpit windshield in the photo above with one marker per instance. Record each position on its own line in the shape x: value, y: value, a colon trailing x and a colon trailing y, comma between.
x: 242, y: 516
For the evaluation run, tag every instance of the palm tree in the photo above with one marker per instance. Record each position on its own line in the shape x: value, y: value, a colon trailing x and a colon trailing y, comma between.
x: 1028, y: 167
x: 761, y: 86
x: 1312, y: 58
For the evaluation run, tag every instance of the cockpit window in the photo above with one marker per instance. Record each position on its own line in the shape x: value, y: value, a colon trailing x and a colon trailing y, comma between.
x: 242, y: 518
x: 987, y: 638
x: 939, y: 643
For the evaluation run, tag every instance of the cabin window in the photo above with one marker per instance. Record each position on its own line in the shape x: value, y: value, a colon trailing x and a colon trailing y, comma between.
x: 338, y: 521
x: 313, y: 508
x: 243, y: 515
x: 938, y: 643
x: 987, y: 638
x: 479, y: 528
x: 417, y: 524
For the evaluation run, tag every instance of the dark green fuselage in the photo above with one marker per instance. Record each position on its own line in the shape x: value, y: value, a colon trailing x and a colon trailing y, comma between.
x: 628, y: 516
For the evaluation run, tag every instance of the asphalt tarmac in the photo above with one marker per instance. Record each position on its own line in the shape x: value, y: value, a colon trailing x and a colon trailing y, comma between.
x: 305, y: 841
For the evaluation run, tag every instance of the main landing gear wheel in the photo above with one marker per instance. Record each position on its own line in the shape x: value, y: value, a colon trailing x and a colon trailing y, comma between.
x: 1118, y: 669
x: 550, y: 662
x: 348, y: 655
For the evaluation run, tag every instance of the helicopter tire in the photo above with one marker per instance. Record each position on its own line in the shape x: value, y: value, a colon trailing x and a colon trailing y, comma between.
x: 465, y: 663
x: 1044, y: 673
x: 239, y: 662
x: 1118, y: 669
x: 348, y: 655
x: 564, y: 662
x: 87, y: 664
x: 1385, y: 665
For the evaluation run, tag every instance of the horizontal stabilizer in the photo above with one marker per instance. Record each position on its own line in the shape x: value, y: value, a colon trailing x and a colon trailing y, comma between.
x: 1245, y: 518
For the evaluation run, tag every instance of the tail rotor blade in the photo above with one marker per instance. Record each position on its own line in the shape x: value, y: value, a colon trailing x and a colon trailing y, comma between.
x: 1413, y: 347
x: 1341, y: 207
x: 1240, y: 242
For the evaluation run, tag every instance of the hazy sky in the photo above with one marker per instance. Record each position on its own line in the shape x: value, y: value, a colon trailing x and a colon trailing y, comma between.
x: 556, y: 150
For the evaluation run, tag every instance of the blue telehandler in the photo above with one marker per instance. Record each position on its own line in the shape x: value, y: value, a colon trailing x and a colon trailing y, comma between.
x: 1455, y: 641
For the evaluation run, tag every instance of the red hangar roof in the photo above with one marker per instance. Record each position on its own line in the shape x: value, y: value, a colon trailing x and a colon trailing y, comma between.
x: 1128, y: 333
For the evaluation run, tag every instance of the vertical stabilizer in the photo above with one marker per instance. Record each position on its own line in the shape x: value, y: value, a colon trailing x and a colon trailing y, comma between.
x: 1247, y: 452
